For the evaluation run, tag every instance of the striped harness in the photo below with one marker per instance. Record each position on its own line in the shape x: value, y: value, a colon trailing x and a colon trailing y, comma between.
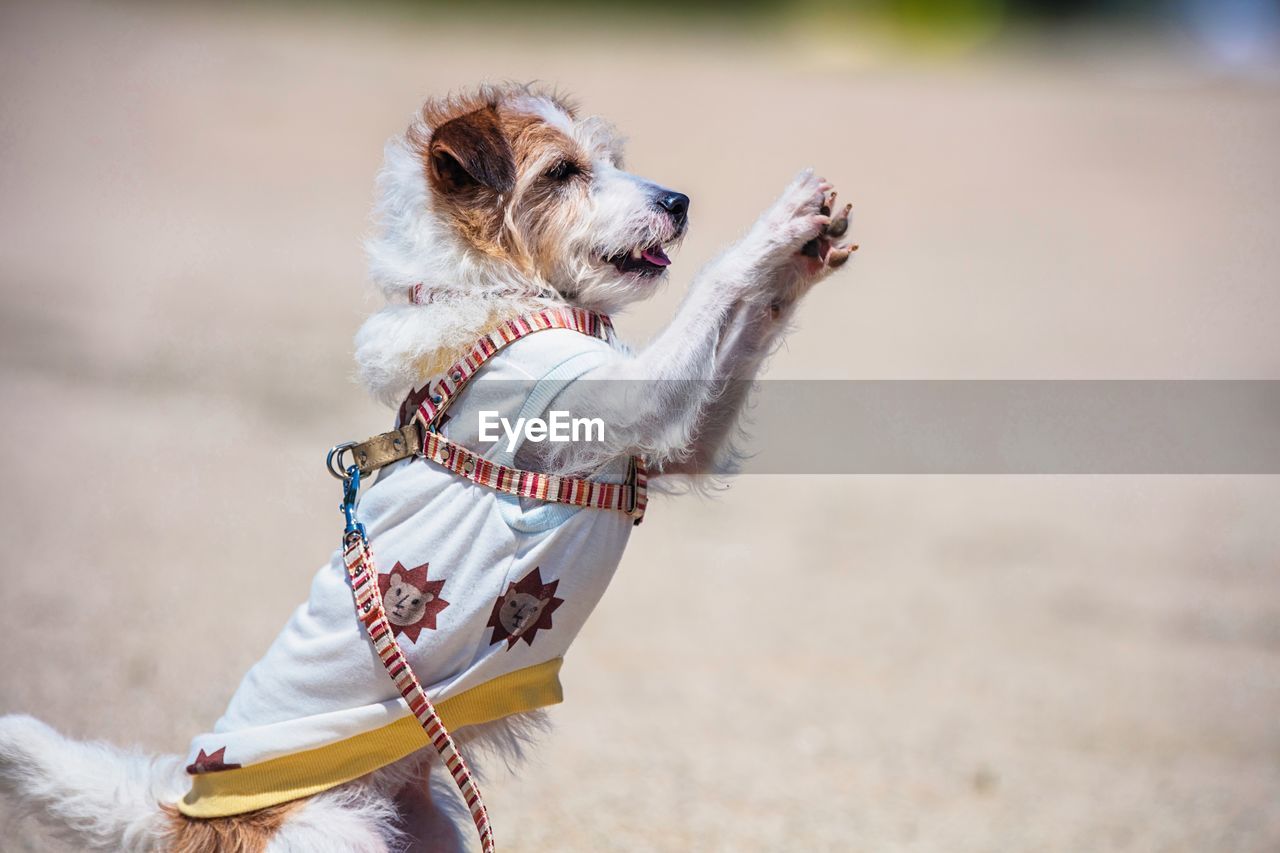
x: 420, y: 436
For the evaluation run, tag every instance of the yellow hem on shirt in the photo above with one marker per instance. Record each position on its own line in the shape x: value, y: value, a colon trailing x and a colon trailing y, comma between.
x: 289, y: 777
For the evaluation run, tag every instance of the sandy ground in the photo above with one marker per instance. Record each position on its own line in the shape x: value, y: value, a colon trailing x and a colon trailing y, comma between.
x: 876, y: 663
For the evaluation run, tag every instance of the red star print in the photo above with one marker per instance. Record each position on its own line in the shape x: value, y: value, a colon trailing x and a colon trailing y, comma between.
x: 411, y: 601
x: 210, y: 762
x: 524, y: 609
x: 411, y: 404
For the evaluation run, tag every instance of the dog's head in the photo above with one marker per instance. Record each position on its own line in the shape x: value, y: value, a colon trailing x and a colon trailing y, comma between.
x: 508, y: 191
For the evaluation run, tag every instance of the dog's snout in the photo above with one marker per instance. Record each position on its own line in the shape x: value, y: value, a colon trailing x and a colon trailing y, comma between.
x: 676, y: 204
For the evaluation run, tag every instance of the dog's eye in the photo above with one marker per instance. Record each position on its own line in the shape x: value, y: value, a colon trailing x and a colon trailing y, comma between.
x: 563, y: 170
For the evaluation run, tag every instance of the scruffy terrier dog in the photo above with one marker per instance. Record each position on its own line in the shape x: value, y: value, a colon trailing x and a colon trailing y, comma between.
x: 494, y: 205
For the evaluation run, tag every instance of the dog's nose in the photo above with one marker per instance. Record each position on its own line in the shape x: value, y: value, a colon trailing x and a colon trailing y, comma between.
x: 676, y: 204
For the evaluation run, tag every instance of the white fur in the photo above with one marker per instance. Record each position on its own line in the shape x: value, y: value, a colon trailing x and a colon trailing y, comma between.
x: 97, y: 797
x: 349, y: 819
x: 90, y: 794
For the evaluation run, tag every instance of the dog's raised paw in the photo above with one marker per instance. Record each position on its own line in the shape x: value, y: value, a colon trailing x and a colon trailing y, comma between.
x: 823, y: 248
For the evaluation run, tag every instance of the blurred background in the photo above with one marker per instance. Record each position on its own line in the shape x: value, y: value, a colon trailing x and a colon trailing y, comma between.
x: 923, y: 663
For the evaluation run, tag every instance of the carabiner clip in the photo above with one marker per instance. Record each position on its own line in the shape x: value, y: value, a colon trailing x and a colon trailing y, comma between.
x: 350, y: 490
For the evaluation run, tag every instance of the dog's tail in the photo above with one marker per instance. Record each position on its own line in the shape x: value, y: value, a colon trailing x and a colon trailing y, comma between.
x: 94, y: 795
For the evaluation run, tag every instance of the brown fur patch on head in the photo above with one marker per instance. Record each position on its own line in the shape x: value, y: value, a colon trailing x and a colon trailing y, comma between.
x: 470, y: 154
x: 475, y: 148
x: 246, y: 833
x: 469, y: 167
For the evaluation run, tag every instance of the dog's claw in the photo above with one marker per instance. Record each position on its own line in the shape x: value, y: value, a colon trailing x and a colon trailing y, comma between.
x: 828, y: 204
x: 840, y: 222
x: 838, y: 255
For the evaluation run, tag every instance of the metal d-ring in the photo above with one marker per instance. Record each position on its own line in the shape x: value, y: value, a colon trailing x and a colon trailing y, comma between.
x: 335, y: 454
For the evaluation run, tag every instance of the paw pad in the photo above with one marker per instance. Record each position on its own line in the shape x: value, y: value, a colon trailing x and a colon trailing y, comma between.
x: 823, y: 247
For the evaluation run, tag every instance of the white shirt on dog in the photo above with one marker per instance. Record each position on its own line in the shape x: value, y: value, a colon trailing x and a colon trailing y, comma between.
x: 477, y: 585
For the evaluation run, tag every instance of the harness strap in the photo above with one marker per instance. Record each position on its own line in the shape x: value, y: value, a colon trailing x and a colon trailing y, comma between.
x: 388, y: 447
x: 411, y: 439
x: 436, y: 398
x: 629, y: 497
x: 420, y: 438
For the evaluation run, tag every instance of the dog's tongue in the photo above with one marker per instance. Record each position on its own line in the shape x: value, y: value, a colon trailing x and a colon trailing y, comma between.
x: 656, y: 256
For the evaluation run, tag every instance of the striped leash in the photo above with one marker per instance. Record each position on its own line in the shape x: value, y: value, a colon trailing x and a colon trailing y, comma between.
x: 368, y: 599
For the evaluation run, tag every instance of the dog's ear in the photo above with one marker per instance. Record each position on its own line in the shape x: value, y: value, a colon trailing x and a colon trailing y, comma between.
x: 471, y: 151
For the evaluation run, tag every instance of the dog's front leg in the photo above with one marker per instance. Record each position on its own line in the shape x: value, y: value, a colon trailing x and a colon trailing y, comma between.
x: 754, y: 331
x: 650, y: 402
x: 655, y: 402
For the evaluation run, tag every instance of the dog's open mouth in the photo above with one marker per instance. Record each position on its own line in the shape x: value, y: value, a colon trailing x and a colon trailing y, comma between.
x: 648, y: 261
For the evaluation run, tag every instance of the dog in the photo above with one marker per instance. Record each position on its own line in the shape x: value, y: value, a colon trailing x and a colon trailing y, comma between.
x: 496, y: 203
